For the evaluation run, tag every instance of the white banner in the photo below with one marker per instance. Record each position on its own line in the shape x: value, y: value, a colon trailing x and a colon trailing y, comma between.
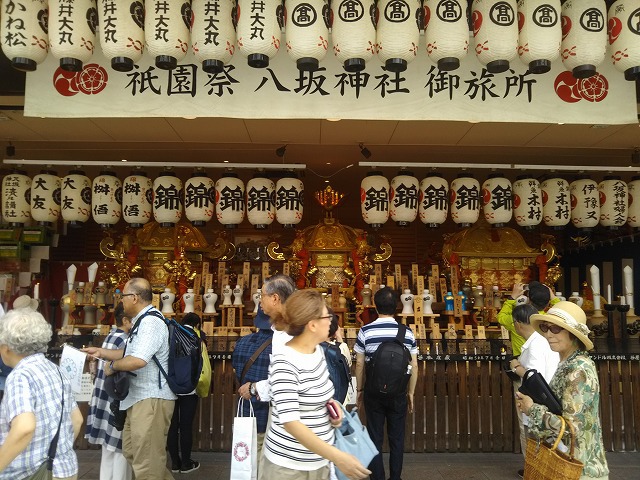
x: 422, y: 92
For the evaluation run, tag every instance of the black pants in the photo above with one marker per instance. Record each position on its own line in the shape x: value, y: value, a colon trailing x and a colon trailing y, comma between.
x: 394, y: 411
x: 180, y: 436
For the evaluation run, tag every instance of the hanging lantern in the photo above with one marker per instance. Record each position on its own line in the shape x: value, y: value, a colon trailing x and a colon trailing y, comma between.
x: 258, y: 34
x: 199, y: 198
x: 584, y: 36
x: 624, y: 37
x: 433, y: 205
x: 16, y: 198
x: 76, y: 198
x: 45, y: 197
x: 497, y: 200
x: 353, y: 32
x: 289, y: 201
x: 137, y: 199
x: 633, y: 218
x: 585, y: 203
x: 614, y: 202
x: 447, y: 32
x: 374, y: 199
x: 261, y: 201
x: 307, y: 32
x: 213, y: 33
x: 555, y: 202
x: 230, y: 200
x: 495, y: 33
x: 106, y: 200
x: 24, y: 33
x: 122, y: 32
x: 540, y: 33
x: 464, y: 195
x: 398, y: 34
x: 527, y: 201
x: 166, y: 29
x: 167, y: 199
x: 72, y: 33
x: 403, y: 198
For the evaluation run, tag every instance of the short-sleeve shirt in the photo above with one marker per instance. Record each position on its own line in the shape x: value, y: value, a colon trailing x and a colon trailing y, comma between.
x: 384, y: 329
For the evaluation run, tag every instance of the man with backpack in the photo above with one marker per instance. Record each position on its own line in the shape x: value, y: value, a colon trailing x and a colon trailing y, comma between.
x: 386, y: 373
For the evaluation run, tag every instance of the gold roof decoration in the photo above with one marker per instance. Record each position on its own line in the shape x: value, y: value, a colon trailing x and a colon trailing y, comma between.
x: 155, y: 237
x: 487, y: 241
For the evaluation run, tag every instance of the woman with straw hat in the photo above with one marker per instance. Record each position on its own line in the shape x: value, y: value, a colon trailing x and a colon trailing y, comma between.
x: 575, y: 383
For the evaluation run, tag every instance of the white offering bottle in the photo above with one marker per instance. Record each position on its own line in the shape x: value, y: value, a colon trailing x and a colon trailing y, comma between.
x: 366, y: 295
x: 167, y: 298
x: 407, y: 302
x: 226, y: 295
x: 188, y: 299
x: 210, y: 299
x: 256, y: 300
x: 427, y: 300
x: 237, y: 295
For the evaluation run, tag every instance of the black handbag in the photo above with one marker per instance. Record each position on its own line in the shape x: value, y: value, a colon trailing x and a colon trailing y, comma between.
x: 535, y: 386
x: 117, y: 385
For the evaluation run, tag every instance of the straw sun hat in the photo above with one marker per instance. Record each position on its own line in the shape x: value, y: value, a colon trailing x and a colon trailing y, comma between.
x: 25, y: 301
x: 569, y: 316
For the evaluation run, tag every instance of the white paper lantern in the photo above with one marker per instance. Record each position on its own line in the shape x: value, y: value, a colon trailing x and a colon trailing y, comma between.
x: 76, y: 198
x: 464, y: 194
x: 307, y: 32
x: 213, y: 33
x: 353, y: 32
x: 614, y: 202
x: 16, y: 198
x: 495, y: 33
x: 258, y: 33
x: 122, y: 32
x: 447, y: 32
x: 106, y: 200
x: 527, y: 201
x: 137, y: 199
x: 24, y: 32
x: 497, y: 200
x: 167, y: 199
x: 199, y: 199
x: 289, y: 201
x: 166, y: 29
x: 374, y: 199
x: 45, y: 197
x: 633, y: 218
x: 72, y: 32
x: 584, y: 36
x: 624, y: 37
x: 261, y: 202
x: 398, y: 32
x: 433, y: 205
x: 230, y: 200
x: 585, y: 203
x: 540, y: 33
x: 556, y: 206
x: 403, y: 198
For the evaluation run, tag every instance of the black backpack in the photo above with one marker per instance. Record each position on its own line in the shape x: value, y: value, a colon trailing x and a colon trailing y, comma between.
x: 339, y: 372
x: 388, y: 370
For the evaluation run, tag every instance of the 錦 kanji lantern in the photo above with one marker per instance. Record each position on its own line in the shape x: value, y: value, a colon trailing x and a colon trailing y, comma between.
x: 585, y: 203
x: 259, y: 30
x: 230, y: 200
x: 213, y: 33
x: 122, y: 32
x: 106, y: 200
x: 633, y: 218
x: 45, y: 197
x: 446, y: 32
x: 199, y: 198
x: 398, y: 34
x: 166, y: 29
x: 16, y: 198
x: 556, y: 207
x: 261, y: 201
x: 307, y: 32
x: 527, y: 201
x: 614, y: 202
x: 353, y: 32
x: 374, y: 199
x: 289, y: 201
x: 540, y: 33
x: 584, y: 36
x: 497, y: 200
x: 76, y: 198
x: 403, y: 198
x: 72, y: 32
x: 495, y: 33
x: 167, y: 199
x: 137, y: 199
x: 464, y: 195
x: 24, y: 33
x: 433, y: 203
x: 624, y: 37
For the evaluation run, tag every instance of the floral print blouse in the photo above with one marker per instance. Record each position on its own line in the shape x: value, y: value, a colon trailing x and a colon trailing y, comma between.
x: 576, y: 384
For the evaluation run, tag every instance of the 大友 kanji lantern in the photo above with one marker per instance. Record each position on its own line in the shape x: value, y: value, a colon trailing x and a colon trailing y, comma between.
x: 230, y: 200
x: 166, y: 27
x: 446, y: 32
x: 213, y: 33
x: 199, y: 198
x: 76, y: 198
x: 289, y: 201
x: 584, y: 36
x: 374, y: 199
x: 403, y: 198
x: 398, y: 32
x: 261, y: 203
x: 353, y: 32
x: 24, y: 32
x: 527, y: 201
x: 556, y: 206
x: 540, y: 33
x: 72, y: 32
x: 259, y: 30
x: 137, y: 199
x: 121, y: 32
x: 497, y: 200
x: 433, y: 203
x: 167, y: 199
x: 495, y: 33
x: 633, y: 218
x: 16, y: 198
x: 585, y: 203
x: 45, y: 197
x: 624, y: 37
x: 307, y: 24
x: 464, y: 196
x: 106, y: 199
x: 614, y: 202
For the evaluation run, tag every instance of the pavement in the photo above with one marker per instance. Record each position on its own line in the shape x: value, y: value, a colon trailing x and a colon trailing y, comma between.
x: 417, y: 466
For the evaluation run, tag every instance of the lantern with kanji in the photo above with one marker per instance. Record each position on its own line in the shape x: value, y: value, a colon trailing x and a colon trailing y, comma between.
x: 398, y: 32
x: 556, y: 206
x: 24, y: 32
x: 137, y: 199
x: 167, y: 199
x: 166, y: 28
x: 230, y: 200
x: 307, y: 32
x: 585, y: 203
x: 261, y: 201
x: 540, y: 33
x: 527, y: 201
x: 446, y: 32
x: 289, y: 201
x: 76, y: 198
x: 433, y: 203
x: 464, y: 196
x: 614, y: 202
x: 497, y: 200
x: 72, y: 32
x: 374, y: 199
x: 122, y: 32
x: 213, y: 33
x: 584, y: 36
x: 624, y: 37
x: 403, y: 198
x: 106, y: 200
x: 633, y: 218
x: 16, y: 198
x: 258, y: 32
x: 45, y: 197
x: 495, y: 33
x: 353, y: 32
x: 199, y: 198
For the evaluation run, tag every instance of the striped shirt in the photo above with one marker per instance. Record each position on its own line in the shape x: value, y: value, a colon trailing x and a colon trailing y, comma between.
x: 384, y: 329
x: 300, y: 388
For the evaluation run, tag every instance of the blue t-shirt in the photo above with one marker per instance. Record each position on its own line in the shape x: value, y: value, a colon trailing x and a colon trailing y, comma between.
x: 4, y: 371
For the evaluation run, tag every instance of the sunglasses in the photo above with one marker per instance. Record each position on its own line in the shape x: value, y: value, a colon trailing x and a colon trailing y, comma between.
x: 555, y: 329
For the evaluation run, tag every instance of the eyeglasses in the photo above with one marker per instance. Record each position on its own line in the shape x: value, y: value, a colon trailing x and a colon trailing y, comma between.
x: 325, y: 316
x: 128, y: 294
x: 555, y: 329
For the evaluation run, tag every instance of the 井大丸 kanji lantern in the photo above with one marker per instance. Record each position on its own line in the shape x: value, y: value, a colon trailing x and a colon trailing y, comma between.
x: 464, y: 196
x: 106, y: 199
x: 433, y: 203
x: 45, y: 197
x: 166, y: 29
x: 446, y: 32
x: 403, y: 198
x: 527, y: 201
x: 614, y: 202
x: 497, y: 200
x: 398, y: 32
x: 230, y: 200
x: 261, y: 201
x: 584, y: 36
x: 76, y: 198
x: 167, y: 199
x: 72, y: 32
x: 633, y: 218
x: 307, y: 32
x: 199, y: 198
x: 585, y: 203
x: 24, y: 32
x: 556, y: 206
x: 353, y: 32
x: 258, y: 32
x: 495, y: 33
x: 624, y: 37
x: 213, y: 33
x: 374, y: 199
x: 16, y: 198
x: 289, y: 201
x: 121, y: 32
x: 137, y: 199
x: 540, y: 33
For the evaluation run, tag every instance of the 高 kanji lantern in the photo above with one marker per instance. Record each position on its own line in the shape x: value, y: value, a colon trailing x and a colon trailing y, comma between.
x: 122, y: 32
x: 374, y: 199
x: 261, y: 201
x: 446, y: 32
x: 213, y: 33
x: 289, y: 201
x: 45, y: 197
x: 137, y: 199
x: 230, y: 200
x: 540, y: 33
x: 584, y: 36
x: 307, y: 32
x: 199, y: 198
x: 259, y: 30
x: 106, y: 200
x: 398, y: 34
x: 167, y: 199
x: 585, y: 203
x: 16, y: 198
x: 556, y: 207
x: 633, y: 218
x: 433, y: 204
x: 614, y: 202
x: 72, y: 32
x: 403, y: 198
x: 495, y: 33
x: 624, y: 37
x: 527, y: 201
x: 24, y: 33
x: 497, y: 200
x: 76, y: 198
x: 166, y: 28
x: 464, y: 195
x: 353, y: 32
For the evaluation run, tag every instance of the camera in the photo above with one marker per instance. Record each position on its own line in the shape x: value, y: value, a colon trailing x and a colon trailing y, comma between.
x: 117, y: 417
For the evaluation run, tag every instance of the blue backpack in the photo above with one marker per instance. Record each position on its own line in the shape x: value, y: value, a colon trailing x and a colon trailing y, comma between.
x: 339, y: 372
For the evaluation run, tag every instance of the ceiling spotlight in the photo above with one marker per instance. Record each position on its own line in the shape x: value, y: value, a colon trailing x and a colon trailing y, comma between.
x: 10, y: 150
x: 635, y: 156
x: 366, y: 153
x: 280, y: 151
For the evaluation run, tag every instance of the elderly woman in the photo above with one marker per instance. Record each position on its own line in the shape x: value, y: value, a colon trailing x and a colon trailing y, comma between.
x: 31, y: 409
x: 575, y: 383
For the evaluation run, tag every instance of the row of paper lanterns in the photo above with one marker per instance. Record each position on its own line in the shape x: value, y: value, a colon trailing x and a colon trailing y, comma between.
x: 76, y: 198
x: 538, y: 31
x: 555, y: 202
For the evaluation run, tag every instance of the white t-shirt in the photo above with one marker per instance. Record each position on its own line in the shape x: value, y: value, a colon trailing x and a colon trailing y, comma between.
x: 536, y: 353
x: 280, y: 338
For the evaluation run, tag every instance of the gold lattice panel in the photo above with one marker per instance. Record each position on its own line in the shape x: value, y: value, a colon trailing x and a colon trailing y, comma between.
x: 329, y: 275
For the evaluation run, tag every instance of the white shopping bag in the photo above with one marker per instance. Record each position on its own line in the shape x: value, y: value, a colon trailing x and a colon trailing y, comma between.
x: 244, y: 447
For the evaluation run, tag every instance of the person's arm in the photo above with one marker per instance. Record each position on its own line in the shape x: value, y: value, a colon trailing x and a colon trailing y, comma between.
x: 76, y: 421
x: 413, y: 380
x: 505, y: 317
x: 20, y: 434
x: 360, y: 375
x: 104, y: 353
x: 126, y: 364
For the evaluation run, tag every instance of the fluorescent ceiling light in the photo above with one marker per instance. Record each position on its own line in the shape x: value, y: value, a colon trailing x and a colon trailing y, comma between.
x: 504, y: 166
x: 119, y: 163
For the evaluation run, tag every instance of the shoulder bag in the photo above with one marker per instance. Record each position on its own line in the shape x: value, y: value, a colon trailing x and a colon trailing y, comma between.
x: 535, y: 386
x: 354, y: 439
